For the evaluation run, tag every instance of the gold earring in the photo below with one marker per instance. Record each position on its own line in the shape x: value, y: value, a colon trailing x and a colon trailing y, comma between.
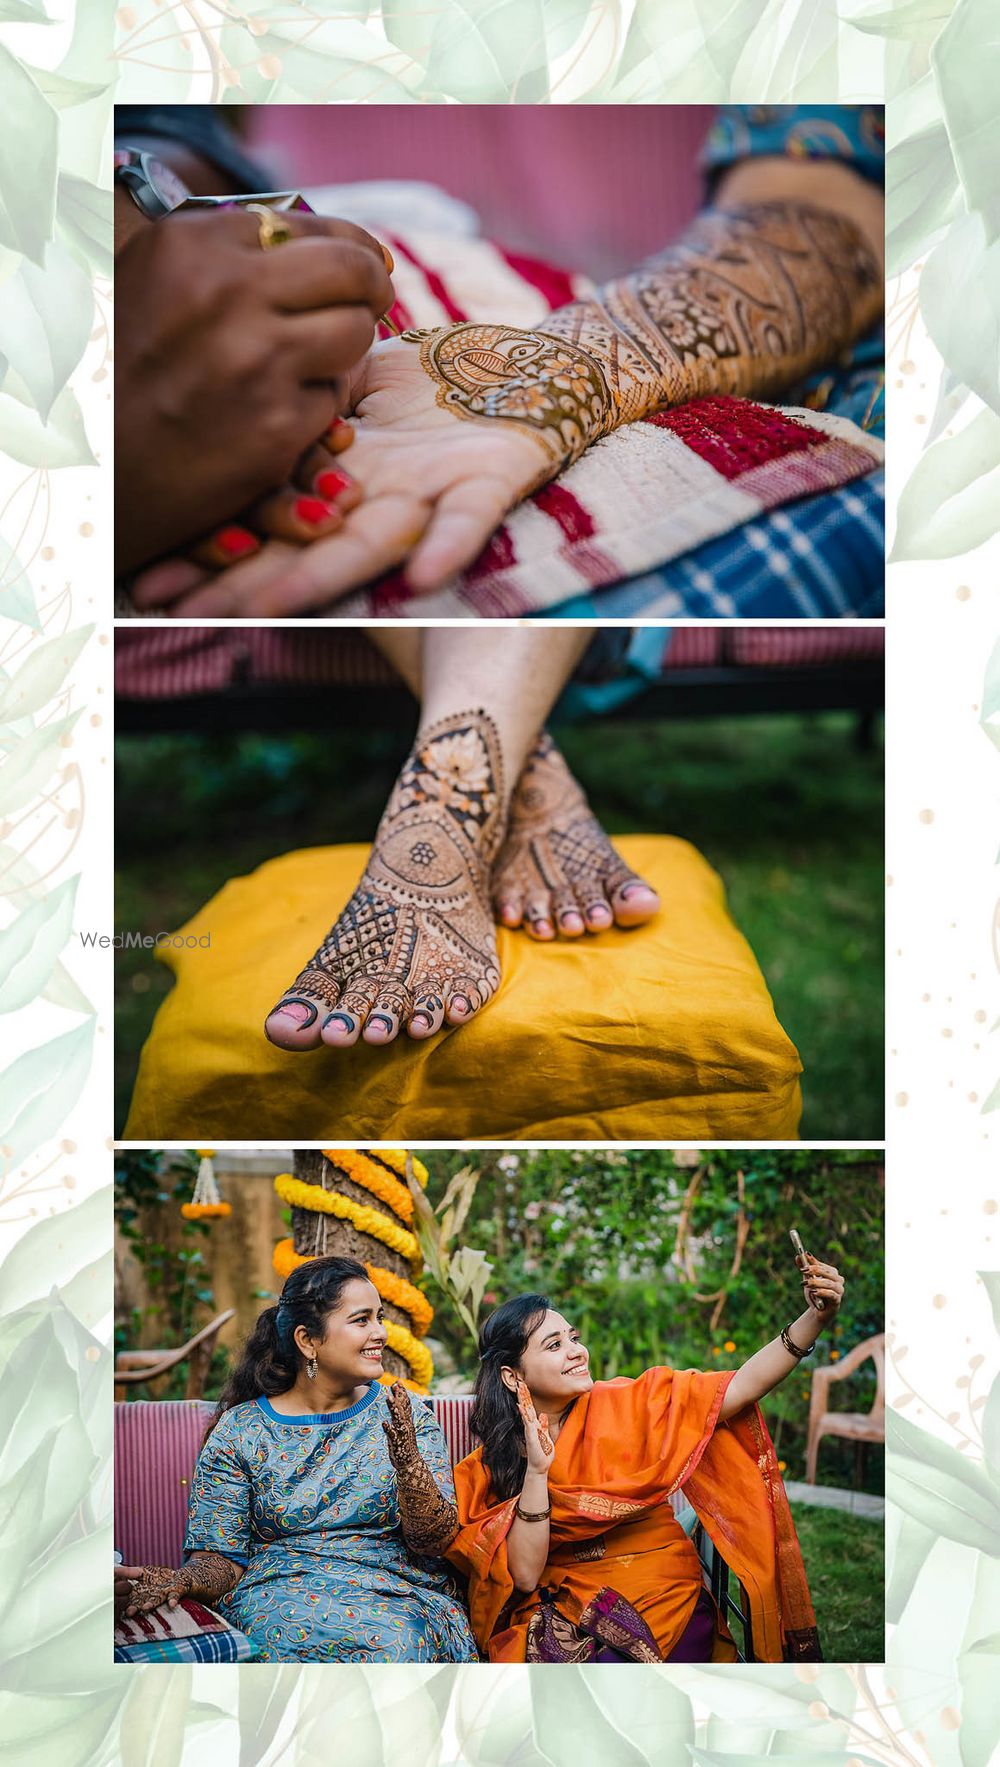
x: 311, y: 1367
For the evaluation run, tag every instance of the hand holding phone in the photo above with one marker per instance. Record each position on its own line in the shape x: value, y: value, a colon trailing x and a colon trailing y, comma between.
x: 802, y: 1260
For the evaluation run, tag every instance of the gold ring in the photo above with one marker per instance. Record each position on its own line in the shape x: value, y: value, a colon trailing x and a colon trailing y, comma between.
x: 271, y: 229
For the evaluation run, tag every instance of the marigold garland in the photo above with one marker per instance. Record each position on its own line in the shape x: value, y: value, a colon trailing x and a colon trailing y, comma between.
x: 392, y: 1380
x: 300, y: 1195
x: 363, y: 1171
x: 412, y: 1351
x: 392, y: 1288
x: 372, y: 1172
x: 393, y: 1157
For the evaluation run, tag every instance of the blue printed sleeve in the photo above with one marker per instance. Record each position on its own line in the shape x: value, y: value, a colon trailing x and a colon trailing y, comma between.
x: 852, y: 133
x: 219, y: 1509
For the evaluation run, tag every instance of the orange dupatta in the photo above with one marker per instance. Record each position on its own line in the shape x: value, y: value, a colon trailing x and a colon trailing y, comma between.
x: 624, y: 1449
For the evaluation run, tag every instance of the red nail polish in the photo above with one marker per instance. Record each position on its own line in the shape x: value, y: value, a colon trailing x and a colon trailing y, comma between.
x: 236, y: 542
x: 313, y: 510
x: 330, y: 482
x: 339, y: 437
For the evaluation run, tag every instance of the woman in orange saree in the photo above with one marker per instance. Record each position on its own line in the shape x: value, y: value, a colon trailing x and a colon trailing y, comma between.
x: 567, y: 1533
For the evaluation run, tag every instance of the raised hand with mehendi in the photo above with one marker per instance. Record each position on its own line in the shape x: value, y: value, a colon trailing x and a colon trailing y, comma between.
x: 429, y: 1520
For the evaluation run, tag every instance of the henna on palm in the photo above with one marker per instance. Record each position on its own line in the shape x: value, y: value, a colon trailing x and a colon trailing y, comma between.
x: 556, y: 857
x: 747, y: 302
x: 207, y: 1577
x: 429, y: 1520
x: 417, y: 932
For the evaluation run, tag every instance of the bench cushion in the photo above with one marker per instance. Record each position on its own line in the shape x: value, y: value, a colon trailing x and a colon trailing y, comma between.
x: 663, y: 1033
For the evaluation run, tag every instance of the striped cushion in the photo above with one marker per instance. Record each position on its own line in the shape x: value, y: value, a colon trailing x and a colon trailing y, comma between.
x: 692, y: 647
x: 803, y: 646
x: 453, y: 1413
x: 156, y: 1446
x: 180, y: 662
x: 188, y: 1633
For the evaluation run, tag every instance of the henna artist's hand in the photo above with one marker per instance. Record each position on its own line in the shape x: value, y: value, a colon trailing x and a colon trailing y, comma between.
x: 539, y: 1447
x: 309, y: 509
x: 434, y: 488
x: 228, y: 363
x: 822, y: 1281
x: 125, y: 1576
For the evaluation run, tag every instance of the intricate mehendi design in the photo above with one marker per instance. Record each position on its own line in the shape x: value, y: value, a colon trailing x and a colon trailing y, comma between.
x: 207, y: 1577
x: 555, y: 847
x: 418, y: 929
x: 747, y: 302
x: 537, y: 381
x: 428, y: 1519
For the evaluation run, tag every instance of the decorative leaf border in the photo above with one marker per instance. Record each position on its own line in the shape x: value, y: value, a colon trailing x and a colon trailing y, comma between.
x: 61, y: 1702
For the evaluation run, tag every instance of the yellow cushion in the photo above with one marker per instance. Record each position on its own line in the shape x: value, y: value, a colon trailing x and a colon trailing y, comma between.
x: 664, y: 1033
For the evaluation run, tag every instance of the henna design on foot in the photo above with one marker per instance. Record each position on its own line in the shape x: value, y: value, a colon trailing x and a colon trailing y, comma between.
x: 557, y: 869
x: 416, y: 942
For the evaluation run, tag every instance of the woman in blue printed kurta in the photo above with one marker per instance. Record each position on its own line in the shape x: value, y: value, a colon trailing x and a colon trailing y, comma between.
x: 317, y: 1532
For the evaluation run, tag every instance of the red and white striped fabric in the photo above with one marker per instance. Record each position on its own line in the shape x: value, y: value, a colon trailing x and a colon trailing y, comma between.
x: 453, y: 1412
x: 808, y: 646
x: 640, y: 497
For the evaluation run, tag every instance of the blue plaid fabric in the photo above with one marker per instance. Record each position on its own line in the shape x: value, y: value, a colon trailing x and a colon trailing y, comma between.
x: 820, y: 558
x: 205, y: 1647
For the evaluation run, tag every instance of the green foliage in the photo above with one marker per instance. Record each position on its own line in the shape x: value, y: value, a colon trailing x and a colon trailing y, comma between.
x: 147, y: 1181
x: 462, y: 1272
x: 638, y: 1248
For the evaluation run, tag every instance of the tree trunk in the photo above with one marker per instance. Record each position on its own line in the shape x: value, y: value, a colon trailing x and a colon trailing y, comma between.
x: 315, y: 1235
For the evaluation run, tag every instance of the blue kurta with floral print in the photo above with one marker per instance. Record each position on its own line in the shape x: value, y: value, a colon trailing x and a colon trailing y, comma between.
x: 308, y: 1505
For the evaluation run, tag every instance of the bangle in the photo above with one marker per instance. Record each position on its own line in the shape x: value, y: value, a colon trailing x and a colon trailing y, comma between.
x: 533, y: 1515
x: 792, y: 1347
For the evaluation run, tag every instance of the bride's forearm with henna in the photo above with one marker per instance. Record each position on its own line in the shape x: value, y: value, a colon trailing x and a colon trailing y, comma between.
x: 212, y: 1575
x: 749, y: 300
x: 429, y: 1520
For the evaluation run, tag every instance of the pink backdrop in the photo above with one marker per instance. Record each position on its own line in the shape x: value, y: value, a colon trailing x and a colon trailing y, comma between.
x: 589, y: 188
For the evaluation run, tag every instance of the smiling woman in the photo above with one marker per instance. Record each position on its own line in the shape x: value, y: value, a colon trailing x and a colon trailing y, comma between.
x: 569, y: 1540
x: 319, y: 1499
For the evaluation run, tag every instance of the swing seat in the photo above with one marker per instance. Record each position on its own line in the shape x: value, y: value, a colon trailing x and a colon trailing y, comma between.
x: 662, y: 1033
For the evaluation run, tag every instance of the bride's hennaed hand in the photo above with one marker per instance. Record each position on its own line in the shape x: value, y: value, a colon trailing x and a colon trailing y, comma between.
x: 434, y: 485
x: 539, y: 1447
x: 823, y: 1282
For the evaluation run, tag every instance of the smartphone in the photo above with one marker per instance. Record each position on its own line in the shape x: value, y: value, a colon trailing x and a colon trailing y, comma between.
x: 799, y: 1249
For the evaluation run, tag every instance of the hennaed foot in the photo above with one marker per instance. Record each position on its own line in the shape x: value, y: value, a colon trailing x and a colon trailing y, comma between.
x: 415, y: 947
x: 557, y: 871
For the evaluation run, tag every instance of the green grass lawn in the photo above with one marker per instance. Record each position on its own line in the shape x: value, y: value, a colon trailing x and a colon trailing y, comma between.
x: 788, y: 809
x: 844, y: 1560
